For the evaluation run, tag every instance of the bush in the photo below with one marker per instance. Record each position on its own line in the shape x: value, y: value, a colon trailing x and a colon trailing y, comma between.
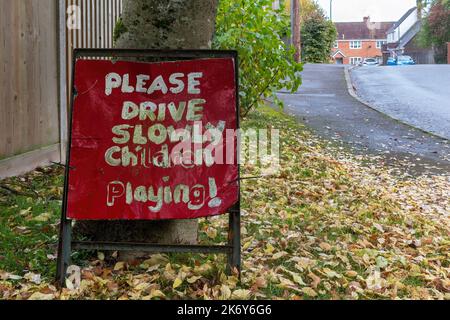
x: 318, y: 36
x: 266, y: 63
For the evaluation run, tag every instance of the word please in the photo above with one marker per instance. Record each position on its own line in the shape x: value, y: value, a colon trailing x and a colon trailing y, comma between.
x: 176, y: 83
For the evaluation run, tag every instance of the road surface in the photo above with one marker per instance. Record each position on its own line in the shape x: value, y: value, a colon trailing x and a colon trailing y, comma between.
x: 418, y: 95
x: 324, y: 105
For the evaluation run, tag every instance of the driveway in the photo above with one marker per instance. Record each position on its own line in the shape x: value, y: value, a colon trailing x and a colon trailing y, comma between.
x: 324, y: 105
x: 418, y: 95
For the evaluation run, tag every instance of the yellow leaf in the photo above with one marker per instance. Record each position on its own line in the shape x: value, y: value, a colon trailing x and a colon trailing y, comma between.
x: 25, y: 212
x: 309, y: 291
x: 101, y: 256
x: 192, y: 280
x: 41, y: 296
x: 297, y: 279
x: 225, y: 292
x: 325, y: 246
x: 279, y: 255
x: 351, y: 274
x: 269, y: 249
x: 331, y: 274
x: 154, y: 260
x: 247, y: 245
x: 177, y: 283
x: 211, y: 233
x: 119, y: 266
x: 240, y: 294
x: 43, y: 217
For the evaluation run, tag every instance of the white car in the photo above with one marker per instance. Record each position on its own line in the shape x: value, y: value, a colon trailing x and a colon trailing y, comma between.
x: 370, y: 62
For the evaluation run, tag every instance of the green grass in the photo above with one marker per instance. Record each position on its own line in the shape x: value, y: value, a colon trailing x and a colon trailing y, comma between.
x: 414, y: 281
x: 28, y: 243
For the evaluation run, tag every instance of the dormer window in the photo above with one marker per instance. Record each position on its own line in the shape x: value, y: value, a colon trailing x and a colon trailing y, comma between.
x: 356, y: 44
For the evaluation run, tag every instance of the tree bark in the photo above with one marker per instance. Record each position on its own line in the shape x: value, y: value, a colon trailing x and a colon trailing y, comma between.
x: 158, y: 24
x: 296, y: 30
x: 168, y: 24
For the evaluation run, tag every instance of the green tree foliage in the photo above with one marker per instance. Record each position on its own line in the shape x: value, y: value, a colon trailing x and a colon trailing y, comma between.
x: 318, y: 36
x: 256, y: 31
x: 436, y: 28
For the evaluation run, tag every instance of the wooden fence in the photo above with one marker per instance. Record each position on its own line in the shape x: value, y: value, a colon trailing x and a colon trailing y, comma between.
x: 35, y: 67
x: 94, y: 22
x: 29, y: 125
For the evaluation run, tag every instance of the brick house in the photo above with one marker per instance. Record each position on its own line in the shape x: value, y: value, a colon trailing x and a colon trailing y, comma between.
x: 359, y: 40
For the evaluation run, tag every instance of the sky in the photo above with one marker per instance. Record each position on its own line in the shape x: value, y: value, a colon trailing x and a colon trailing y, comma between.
x: 378, y: 10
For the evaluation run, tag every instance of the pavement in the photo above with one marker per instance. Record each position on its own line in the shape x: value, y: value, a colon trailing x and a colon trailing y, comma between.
x: 324, y: 104
x: 418, y: 95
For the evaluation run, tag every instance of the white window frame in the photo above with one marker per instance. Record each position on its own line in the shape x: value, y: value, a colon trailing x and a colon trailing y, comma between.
x: 355, y: 44
x: 336, y: 45
x: 355, y: 60
x: 380, y: 43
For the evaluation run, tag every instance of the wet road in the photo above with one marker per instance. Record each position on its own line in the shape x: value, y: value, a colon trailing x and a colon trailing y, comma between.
x: 324, y: 105
x: 418, y: 95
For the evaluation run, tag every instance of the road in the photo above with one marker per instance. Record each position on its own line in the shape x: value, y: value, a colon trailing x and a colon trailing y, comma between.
x: 324, y: 105
x: 418, y: 95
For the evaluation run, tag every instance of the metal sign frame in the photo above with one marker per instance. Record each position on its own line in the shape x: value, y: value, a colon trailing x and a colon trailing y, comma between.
x: 65, y: 246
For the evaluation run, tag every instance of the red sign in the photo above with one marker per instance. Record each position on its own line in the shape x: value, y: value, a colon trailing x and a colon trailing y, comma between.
x: 149, y: 140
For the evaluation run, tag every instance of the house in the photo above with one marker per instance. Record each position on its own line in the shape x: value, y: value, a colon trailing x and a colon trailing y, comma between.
x: 401, y: 39
x: 359, y: 40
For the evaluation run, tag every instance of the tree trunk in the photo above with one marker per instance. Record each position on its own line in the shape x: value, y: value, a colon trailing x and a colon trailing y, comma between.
x: 296, y: 30
x: 158, y: 24
x: 168, y: 24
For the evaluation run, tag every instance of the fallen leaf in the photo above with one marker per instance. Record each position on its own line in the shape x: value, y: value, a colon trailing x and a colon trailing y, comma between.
x: 325, y: 246
x: 315, y: 280
x: 240, y: 294
x: 192, y: 280
x: 41, y: 296
x: 177, y: 283
x: 225, y: 292
x: 119, y: 266
x: 44, y: 217
x: 279, y: 255
x: 309, y: 292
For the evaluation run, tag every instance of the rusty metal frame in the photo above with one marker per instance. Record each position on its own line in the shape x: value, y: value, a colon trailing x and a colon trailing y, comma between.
x: 66, y: 245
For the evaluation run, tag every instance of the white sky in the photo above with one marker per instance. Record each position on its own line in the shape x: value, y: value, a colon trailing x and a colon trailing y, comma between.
x: 378, y: 10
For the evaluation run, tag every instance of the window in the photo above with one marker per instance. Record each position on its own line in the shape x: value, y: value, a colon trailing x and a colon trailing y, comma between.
x: 355, y: 44
x: 355, y: 60
x: 380, y: 43
x: 336, y: 45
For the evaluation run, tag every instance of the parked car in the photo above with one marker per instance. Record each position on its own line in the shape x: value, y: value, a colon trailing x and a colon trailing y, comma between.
x: 370, y: 62
x: 391, y: 62
x: 405, y: 60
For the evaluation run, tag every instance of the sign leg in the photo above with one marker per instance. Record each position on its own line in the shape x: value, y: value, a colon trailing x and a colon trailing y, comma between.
x: 64, y: 251
x: 234, y: 240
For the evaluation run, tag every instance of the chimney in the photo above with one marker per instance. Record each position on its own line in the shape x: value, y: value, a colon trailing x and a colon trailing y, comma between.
x: 366, y: 20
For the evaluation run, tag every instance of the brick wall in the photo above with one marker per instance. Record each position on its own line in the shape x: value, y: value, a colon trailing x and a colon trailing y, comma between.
x: 368, y: 50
